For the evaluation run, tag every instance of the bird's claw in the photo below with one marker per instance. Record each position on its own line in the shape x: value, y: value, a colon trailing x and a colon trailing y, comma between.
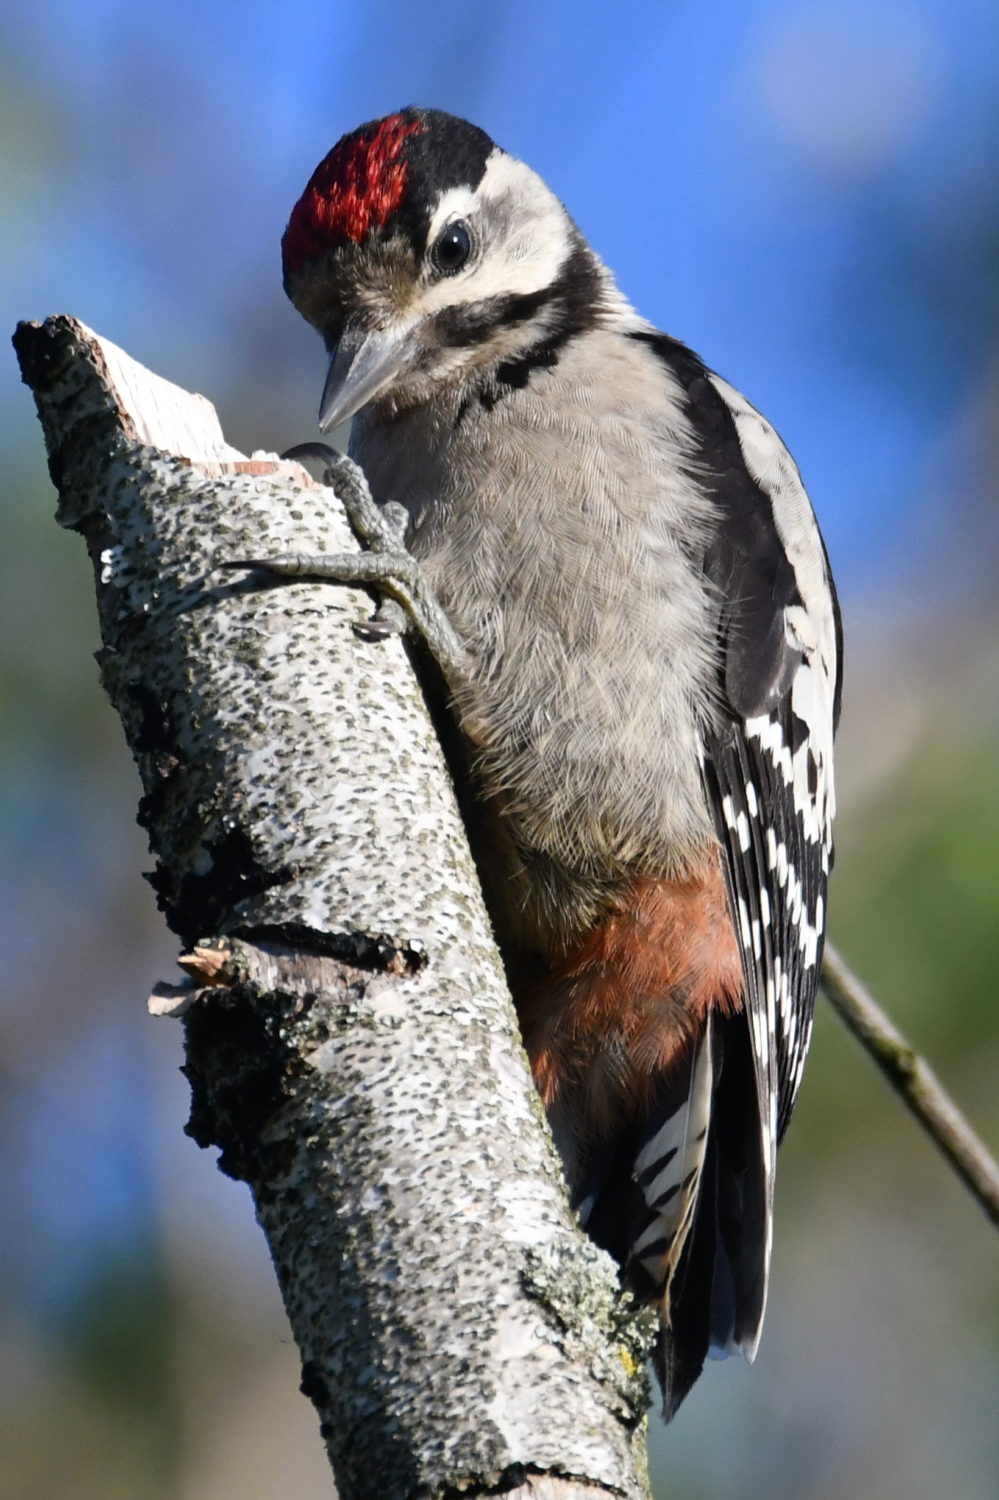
x: 378, y: 527
x: 389, y: 618
x: 411, y: 603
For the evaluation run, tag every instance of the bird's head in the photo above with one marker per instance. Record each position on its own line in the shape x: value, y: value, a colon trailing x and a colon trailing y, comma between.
x: 424, y: 255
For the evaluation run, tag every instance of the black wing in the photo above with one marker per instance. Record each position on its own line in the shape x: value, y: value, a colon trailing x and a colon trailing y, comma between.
x: 767, y: 765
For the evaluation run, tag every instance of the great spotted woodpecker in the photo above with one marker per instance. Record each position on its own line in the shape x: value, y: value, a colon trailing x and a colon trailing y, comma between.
x: 645, y: 671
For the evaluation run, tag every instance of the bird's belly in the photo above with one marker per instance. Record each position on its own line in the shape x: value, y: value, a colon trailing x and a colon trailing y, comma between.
x: 589, y: 648
x: 592, y: 768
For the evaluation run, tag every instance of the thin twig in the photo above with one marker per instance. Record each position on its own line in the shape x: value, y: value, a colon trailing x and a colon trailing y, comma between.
x: 915, y: 1080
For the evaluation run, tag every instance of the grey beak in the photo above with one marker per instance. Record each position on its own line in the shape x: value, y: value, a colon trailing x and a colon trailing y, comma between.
x: 364, y: 362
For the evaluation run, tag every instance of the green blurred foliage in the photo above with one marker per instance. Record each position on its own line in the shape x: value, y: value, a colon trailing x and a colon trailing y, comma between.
x: 916, y: 895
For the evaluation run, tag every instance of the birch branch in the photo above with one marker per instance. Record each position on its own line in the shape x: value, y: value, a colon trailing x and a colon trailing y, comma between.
x: 914, y: 1080
x: 350, y: 1043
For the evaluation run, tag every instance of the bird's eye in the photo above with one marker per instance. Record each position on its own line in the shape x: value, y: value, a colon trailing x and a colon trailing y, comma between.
x: 451, y: 248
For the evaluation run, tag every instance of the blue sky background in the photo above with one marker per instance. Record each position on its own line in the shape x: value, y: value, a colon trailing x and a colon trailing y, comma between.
x: 806, y: 193
x: 786, y: 186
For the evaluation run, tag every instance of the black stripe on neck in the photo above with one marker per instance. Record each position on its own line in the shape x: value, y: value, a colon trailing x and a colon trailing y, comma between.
x: 571, y: 304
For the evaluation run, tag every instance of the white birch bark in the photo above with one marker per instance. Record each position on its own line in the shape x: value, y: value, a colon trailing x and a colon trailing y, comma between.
x: 351, y: 1045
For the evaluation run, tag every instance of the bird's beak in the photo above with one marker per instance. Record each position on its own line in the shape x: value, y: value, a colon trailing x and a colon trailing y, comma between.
x: 364, y: 362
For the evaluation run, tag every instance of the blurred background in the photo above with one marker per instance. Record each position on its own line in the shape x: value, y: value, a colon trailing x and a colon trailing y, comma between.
x: 805, y: 192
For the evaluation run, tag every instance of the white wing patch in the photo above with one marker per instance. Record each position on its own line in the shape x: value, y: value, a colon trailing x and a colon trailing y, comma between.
x: 810, y: 626
x: 776, y: 472
x: 769, y: 778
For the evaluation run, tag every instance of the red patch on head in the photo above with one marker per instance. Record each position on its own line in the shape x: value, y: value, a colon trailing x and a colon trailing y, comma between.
x: 355, y: 189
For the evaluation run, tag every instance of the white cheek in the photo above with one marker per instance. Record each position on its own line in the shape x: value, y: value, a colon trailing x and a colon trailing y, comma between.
x: 527, y: 259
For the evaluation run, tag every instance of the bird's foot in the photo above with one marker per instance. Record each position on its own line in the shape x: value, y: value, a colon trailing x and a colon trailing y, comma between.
x: 380, y: 528
x: 386, y: 566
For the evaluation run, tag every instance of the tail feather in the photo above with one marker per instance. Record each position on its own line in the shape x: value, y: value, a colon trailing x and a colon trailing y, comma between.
x: 678, y: 1194
x: 667, y: 1171
x: 680, y: 1200
x: 720, y: 1286
x: 743, y: 1208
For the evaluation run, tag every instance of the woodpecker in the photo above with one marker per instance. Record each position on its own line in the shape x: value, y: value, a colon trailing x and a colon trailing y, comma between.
x: 646, y: 685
